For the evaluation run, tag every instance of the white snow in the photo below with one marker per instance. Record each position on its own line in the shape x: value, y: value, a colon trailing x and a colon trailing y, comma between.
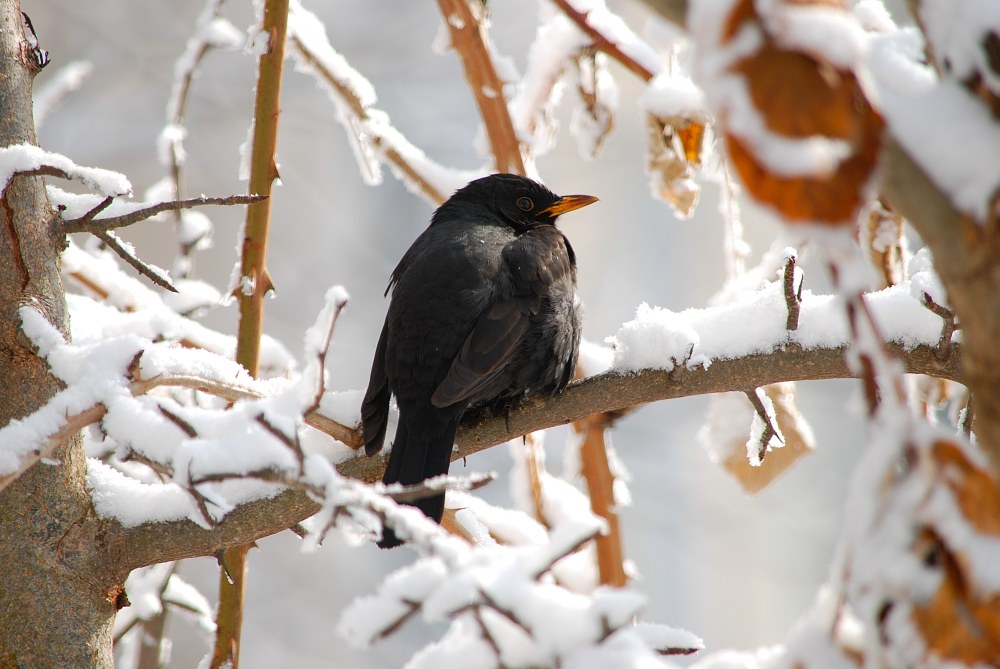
x: 26, y: 157
x: 661, y: 339
x: 914, y: 103
x: 671, y: 94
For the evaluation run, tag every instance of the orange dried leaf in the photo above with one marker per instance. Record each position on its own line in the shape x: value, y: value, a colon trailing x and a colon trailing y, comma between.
x: 955, y: 624
x: 800, y: 97
x: 974, y: 488
x: 798, y: 442
x: 674, y: 151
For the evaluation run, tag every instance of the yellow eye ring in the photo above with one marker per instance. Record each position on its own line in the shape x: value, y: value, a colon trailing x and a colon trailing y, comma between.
x: 525, y: 204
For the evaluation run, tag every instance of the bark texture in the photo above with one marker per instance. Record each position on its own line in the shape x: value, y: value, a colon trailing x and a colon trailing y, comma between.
x: 59, y: 591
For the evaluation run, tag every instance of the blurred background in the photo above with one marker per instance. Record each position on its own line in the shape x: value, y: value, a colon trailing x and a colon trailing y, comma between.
x: 735, y: 569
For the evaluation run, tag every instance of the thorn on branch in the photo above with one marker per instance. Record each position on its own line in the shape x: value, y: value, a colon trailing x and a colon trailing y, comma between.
x: 793, y: 297
x: 220, y: 557
x: 945, y: 346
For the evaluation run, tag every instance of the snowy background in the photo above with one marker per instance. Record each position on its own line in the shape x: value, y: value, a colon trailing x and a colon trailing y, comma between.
x: 734, y: 569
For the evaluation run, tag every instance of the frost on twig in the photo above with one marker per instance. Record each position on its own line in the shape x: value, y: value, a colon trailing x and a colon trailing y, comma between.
x: 763, y: 428
x: 127, y: 253
x: 212, y: 31
x: 128, y: 214
x: 373, y: 137
x: 507, y: 610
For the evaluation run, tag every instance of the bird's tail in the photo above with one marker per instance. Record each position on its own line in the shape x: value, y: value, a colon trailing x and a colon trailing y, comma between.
x: 421, y: 450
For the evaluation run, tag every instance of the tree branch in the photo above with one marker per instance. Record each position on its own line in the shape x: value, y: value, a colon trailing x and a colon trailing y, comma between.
x: 967, y: 259
x: 87, y: 222
x: 602, y: 43
x: 467, y: 38
x: 611, y: 391
x: 125, y: 251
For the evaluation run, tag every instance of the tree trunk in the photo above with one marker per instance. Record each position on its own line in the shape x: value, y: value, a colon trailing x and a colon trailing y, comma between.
x: 57, y: 599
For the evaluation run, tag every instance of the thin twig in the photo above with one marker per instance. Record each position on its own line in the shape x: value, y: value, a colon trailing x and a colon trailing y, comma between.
x: 602, y: 42
x: 412, y: 608
x: 967, y: 417
x: 87, y: 223
x: 184, y: 426
x: 577, y: 545
x: 770, y: 431
x: 292, y: 442
x: 126, y: 254
x: 465, y: 22
x: 364, y: 113
x: 793, y: 298
x: 321, y: 354
x: 948, y: 325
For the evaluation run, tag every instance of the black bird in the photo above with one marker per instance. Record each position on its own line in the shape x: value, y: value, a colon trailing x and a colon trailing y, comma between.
x: 482, y: 312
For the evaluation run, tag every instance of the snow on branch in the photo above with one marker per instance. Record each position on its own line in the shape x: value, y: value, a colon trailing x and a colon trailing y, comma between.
x: 373, y: 137
x: 27, y: 159
x: 612, y: 36
x: 82, y: 213
x: 140, y: 211
x: 507, y: 610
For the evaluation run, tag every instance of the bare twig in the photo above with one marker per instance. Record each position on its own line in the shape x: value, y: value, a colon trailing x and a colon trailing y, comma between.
x: 184, y: 426
x: 569, y: 550
x: 793, y: 297
x: 87, y: 222
x: 291, y: 441
x: 412, y: 608
x: 321, y: 354
x: 770, y: 431
x: 465, y: 22
x: 948, y: 326
x: 205, y: 39
x: 125, y: 253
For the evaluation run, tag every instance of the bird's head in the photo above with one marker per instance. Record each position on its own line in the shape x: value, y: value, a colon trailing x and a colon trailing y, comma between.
x: 518, y: 201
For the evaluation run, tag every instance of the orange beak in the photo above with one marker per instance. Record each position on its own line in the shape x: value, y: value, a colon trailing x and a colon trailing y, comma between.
x: 567, y: 203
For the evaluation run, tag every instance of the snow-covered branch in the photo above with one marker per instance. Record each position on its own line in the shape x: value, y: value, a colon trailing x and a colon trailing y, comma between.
x: 373, y: 137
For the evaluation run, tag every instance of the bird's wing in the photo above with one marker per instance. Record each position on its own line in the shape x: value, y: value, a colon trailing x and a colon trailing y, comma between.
x: 532, y: 264
x: 375, y: 407
x: 484, y: 354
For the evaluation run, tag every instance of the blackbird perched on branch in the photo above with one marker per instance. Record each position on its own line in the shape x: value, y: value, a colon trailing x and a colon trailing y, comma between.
x: 483, y: 311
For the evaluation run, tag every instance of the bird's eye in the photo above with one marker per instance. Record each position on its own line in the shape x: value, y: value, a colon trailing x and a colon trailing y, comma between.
x: 525, y: 204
